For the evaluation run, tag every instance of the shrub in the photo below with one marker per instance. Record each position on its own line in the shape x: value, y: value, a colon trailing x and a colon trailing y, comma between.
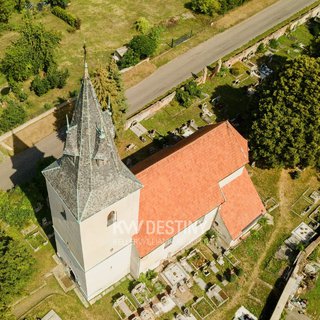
x: 60, y: 3
x: 183, y: 97
x: 47, y: 106
x: 57, y: 79
x: 130, y: 58
x: 273, y: 43
x: 143, y: 45
x: 16, y: 88
x: 12, y: 116
x: 142, y: 25
x: 238, y: 271
x: 40, y: 86
x: 67, y: 17
x: 192, y: 88
x: 261, y: 48
x: 295, y: 175
x: 205, y: 6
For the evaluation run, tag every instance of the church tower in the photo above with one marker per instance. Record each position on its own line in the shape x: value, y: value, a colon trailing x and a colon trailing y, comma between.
x: 93, y: 196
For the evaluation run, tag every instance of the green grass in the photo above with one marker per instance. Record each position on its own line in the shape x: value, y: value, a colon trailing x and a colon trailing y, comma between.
x: 313, y: 297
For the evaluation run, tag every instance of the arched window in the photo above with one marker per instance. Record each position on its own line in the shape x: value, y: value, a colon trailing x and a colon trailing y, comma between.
x: 112, y: 218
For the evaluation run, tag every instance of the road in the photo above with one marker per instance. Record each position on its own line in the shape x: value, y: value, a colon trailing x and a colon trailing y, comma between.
x: 20, y: 168
x: 194, y: 60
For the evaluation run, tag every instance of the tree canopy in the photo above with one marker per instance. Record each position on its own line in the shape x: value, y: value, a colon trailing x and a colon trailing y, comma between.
x: 6, y: 9
x: 108, y: 85
x: 31, y: 53
x: 143, y: 45
x: 205, y: 6
x: 285, y: 129
x: 16, y: 269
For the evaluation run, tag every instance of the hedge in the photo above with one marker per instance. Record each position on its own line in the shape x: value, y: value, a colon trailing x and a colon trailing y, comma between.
x: 67, y: 17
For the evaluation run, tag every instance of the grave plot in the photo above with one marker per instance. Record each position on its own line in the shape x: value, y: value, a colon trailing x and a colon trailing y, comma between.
x: 36, y: 240
x: 124, y: 307
x: 217, y: 295
x: 231, y: 258
x: 203, y: 308
x: 141, y: 294
x: 303, y: 205
x: 196, y: 259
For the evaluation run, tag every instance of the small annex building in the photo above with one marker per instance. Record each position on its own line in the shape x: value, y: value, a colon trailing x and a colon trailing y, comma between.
x: 110, y: 221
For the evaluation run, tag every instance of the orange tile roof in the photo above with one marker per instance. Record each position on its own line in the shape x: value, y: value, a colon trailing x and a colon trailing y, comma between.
x: 242, y: 204
x: 180, y: 183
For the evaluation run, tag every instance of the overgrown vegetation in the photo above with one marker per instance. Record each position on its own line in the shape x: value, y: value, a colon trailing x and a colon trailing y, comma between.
x: 12, y: 114
x: 214, y: 7
x: 285, y: 127
x: 186, y: 94
x: 16, y: 269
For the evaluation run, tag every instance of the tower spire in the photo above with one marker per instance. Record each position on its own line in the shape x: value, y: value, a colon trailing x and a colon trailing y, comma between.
x: 86, y: 73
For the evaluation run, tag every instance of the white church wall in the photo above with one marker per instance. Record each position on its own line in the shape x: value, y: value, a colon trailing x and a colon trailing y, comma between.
x: 179, y: 241
x: 108, y: 272
x: 230, y: 177
x: 220, y: 226
x: 100, y: 241
x: 135, y: 262
x: 67, y: 257
x: 68, y: 228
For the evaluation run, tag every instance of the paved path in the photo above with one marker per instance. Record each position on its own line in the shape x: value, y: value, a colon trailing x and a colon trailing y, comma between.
x: 21, y: 167
x: 194, y: 60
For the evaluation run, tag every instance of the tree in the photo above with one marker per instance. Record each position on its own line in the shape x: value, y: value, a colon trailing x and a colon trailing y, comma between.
x: 142, y: 25
x: 16, y: 268
x: 31, y: 53
x: 6, y: 9
x: 205, y: 6
x: 130, y: 58
x: 143, y: 45
x: 285, y: 127
x: 314, y: 48
x: 108, y: 85
x: 12, y: 115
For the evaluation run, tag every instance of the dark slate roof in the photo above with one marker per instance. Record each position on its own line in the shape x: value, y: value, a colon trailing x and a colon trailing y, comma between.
x: 90, y: 175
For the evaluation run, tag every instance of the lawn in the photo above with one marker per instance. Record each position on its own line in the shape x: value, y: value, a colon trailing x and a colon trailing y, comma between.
x: 107, y: 25
x: 203, y: 307
x: 313, y: 297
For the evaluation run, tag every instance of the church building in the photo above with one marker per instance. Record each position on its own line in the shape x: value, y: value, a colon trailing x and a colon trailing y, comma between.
x: 110, y: 221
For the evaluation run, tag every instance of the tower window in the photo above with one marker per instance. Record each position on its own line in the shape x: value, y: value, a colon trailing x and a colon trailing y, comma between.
x: 112, y: 218
x: 63, y: 214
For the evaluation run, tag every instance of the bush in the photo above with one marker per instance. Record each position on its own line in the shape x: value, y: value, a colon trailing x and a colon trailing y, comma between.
x: 16, y: 88
x: 130, y: 58
x: 40, y: 86
x: 273, y: 43
x: 143, y: 45
x: 12, y: 116
x: 57, y: 79
x: 295, y: 175
x: 60, y: 3
x: 67, y: 17
x: 192, y: 88
x: 239, y: 272
x: 261, y: 48
x: 142, y: 25
x: 47, y: 106
x: 183, y: 97
x: 205, y: 6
